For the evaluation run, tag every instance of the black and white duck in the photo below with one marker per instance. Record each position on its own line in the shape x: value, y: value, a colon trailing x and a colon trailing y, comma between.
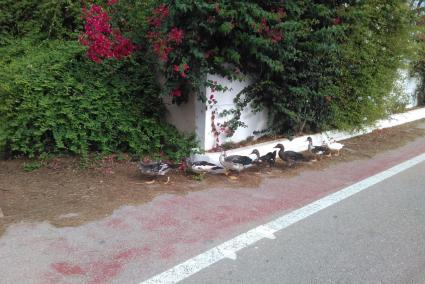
x: 154, y: 169
x: 235, y: 162
x: 318, y: 150
x: 203, y: 167
x: 269, y: 158
x: 290, y: 157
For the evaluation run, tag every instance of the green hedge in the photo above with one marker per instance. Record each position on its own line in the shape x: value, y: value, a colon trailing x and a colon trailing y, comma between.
x: 52, y: 100
x: 334, y: 66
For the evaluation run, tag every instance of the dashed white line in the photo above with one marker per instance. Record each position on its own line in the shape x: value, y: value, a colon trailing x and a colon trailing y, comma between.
x: 229, y: 248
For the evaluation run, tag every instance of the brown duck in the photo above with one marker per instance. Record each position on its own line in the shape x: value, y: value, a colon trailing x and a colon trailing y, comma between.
x: 290, y: 157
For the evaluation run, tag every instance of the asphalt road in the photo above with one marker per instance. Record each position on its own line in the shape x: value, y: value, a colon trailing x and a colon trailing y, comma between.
x: 375, y: 236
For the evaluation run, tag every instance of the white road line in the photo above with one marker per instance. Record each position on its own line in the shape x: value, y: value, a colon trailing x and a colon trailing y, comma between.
x: 231, y: 247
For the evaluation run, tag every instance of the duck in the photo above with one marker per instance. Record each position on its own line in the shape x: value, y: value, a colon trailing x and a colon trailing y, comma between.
x: 202, y: 167
x: 290, y: 156
x: 270, y: 157
x: 334, y: 146
x: 317, y: 150
x: 154, y: 169
x: 235, y: 162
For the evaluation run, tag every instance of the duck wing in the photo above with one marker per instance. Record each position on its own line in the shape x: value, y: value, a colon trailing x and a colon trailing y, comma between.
x: 318, y: 149
x: 156, y: 168
x: 269, y: 156
x: 163, y: 168
x: 237, y: 159
x: 203, y: 164
x: 293, y: 156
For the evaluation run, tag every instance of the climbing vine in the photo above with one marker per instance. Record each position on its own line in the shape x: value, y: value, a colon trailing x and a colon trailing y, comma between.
x: 314, y: 64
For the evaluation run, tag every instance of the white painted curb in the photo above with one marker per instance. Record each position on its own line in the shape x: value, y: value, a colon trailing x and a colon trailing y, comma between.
x: 299, y: 143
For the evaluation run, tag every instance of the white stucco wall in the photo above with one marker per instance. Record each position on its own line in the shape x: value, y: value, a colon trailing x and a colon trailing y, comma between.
x: 408, y: 85
x: 254, y: 121
x: 300, y: 143
x: 195, y: 117
x: 183, y: 116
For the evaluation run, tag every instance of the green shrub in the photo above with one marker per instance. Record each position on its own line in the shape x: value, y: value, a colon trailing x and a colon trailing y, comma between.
x: 317, y: 65
x: 32, y: 166
x: 343, y: 67
x: 419, y: 8
x: 44, y: 19
x: 52, y: 100
x: 377, y: 44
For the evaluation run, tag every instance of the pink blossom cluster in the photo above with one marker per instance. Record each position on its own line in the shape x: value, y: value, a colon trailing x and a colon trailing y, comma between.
x: 161, y: 43
x: 101, y: 39
x: 264, y: 28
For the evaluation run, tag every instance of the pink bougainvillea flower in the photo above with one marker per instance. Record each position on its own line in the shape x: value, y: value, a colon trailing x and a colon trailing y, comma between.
x: 178, y: 69
x: 176, y: 35
x: 337, y: 21
x: 162, y: 11
x: 102, y: 41
x: 176, y: 93
x: 264, y: 26
x: 112, y: 2
x: 161, y: 49
x: 276, y: 36
x: 122, y: 47
x: 159, y: 14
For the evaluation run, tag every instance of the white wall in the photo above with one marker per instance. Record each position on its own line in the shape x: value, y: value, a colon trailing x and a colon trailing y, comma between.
x: 195, y: 117
x: 254, y: 121
x: 300, y: 143
x: 183, y: 116
x: 408, y: 86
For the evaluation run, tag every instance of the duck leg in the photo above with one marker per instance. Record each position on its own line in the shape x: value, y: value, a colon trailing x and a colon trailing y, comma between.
x: 168, y: 180
x: 233, y: 177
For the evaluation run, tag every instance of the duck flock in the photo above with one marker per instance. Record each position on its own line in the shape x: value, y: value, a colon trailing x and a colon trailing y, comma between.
x: 238, y: 163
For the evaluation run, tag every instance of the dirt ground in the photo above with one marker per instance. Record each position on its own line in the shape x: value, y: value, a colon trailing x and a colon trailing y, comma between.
x: 66, y: 195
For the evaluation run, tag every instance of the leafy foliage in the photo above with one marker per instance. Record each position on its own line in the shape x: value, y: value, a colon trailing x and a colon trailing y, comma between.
x: 193, y: 38
x: 314, y: 64
x: 39, y: 19
x: 378, y: 43
x: 52, y: 100
x: 32, y: 166
x: 419, y: 9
